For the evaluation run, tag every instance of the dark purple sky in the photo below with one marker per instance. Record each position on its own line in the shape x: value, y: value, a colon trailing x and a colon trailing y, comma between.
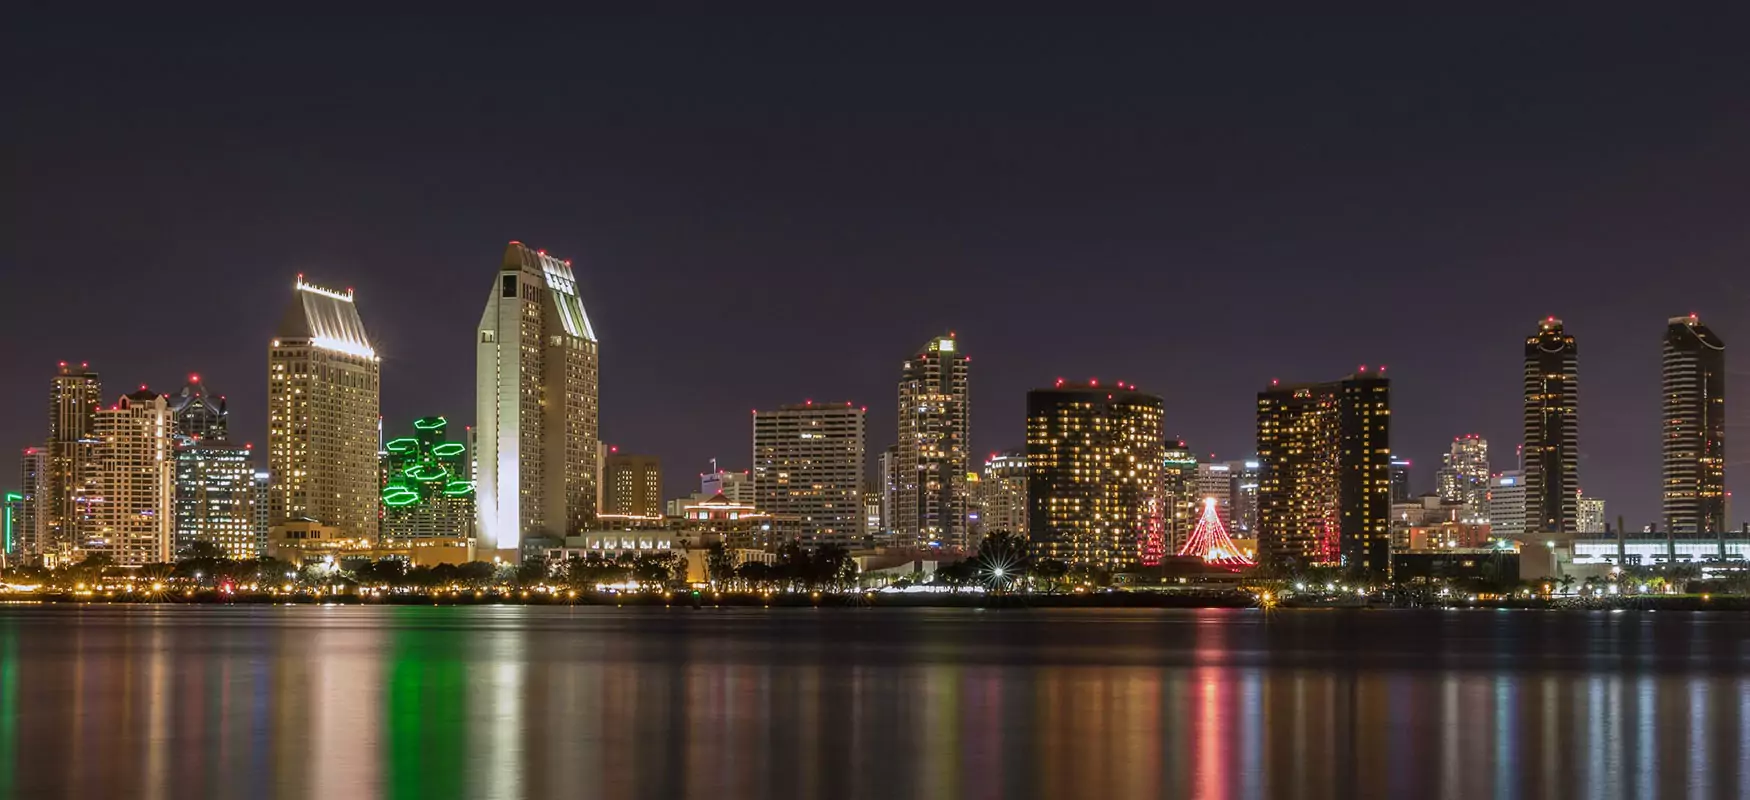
x: 765, y: 209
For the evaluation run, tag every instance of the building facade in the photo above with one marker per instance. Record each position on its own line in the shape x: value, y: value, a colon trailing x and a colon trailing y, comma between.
x: 427, y: 491
x: 69, y: 473
x: 808, y: 472
x: 1215, y: 480
x: 1245, y: 496
x: 1592, y: 519
x: 323, y: 396
x: 1694, y: 431
x: 1002, y: 493
x: 215, y: 498
x: 632, y: 485
x: 1400, y: 479
x: 1552, y: 430
x: 1180, y: 499
x: 1324, y: 492
x: 736, y: 487
x: 27, y: 541
x: 537, y: 410
x: 132, y: 517
x: 934, y: 451
x: 1094, y: 484
x: 1464, y: 477
x: 1507, y: 505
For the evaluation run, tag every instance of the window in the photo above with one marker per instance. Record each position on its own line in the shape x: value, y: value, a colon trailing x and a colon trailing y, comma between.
x: 508, y: 286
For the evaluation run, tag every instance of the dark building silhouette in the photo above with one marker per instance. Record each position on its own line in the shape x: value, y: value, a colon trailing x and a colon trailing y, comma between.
x: 1694, y: 432
x: 1552, y: 430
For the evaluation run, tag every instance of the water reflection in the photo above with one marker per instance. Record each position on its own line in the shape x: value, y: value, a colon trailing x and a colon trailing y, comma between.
x: 435, y: 703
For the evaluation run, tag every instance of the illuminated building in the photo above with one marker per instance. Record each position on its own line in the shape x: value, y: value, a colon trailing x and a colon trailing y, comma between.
x: 736, y: 486
x: 322, y: 394
x: 1001, y: 493
x: 1552, y: 430
x: 11, y: 514
x: 215, y: 497
x: 934, y: 448
x: 887, y: 467
x: 1179, y: 495
x: 1592, y: 515
x: 68, y: 473
x: 1245, y: 495
x: 808, y: 472
x: 1094, y: 456
x: 1464, y: 477
x: 1215, y: 480
x: 427, y: 493
x: 1694, y: 433
x: 26, y: 535
x: 739, y: 525
x: 631, y: 485
x: 1324, y: 490
x: 1507, y: 505
x: 1400, y: 479
x: 536, y: 405
x: 133, y: 512
x: 262, y: 525
x: 197, y: 414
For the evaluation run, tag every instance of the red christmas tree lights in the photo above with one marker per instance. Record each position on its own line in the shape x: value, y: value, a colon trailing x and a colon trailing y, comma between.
x: 1209, y: 541
x: 1153, y: 544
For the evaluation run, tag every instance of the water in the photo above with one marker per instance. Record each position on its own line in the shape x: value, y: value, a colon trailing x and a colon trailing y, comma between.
x: 419, y: 702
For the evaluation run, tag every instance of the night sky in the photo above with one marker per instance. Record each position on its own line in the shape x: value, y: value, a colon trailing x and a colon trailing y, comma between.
x: 765, y: 209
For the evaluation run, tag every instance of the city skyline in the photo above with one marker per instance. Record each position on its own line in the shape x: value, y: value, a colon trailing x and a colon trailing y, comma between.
x: 783, y: 257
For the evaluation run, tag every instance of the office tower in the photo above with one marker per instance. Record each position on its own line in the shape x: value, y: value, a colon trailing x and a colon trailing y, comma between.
x: 1094, y: 463
x: 1245, y: 495
x: 427, y: 492
x: 1215, y: 480
x: 536, y: 411
x: 1552, y: 429
x: 263, y: 479
x: 32, y: 473
x: 215, y: 497
x: 1591, y: 514
x: 1181, y: 502
x: 631, y: 485
x: 871, y: 509
x: 808, y: 472
x: 68, y: 473
x: 1400, y: 480
x: 887, y: 468
x: 322, y: 394
x: 1464, y: 477
x: 736, y: 487
x: 1325, y: 479
x: 11, y: 515
x: 198, y: 415
x: 1507, y: 505
x: 934, y: 448
x: 133, y: 509
x: 1694, y: 433
x: 1002, y: 493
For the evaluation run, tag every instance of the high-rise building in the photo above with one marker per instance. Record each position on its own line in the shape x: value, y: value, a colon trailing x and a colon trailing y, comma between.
x: 28, y: 533
x: 808, y: 472
x: 198, y: 415
x: 887, y: 468
x: 1591, y: 514
x: 263, y: 479
x: 934, y: 446
x: 1464, y: 477
x: 215, y: 497
x: 1181, y: 502
x: 1215, y: 480
x: 1001, y: 496
x: 427, y: 491
x: 322, y: 420
x: 537, y: 413
x: 632, y: 485
x: 736, y: 487
x: 1325, y: 479
x: 1094, y: 461
x: 1507, y: 504
x: 132, y: 515
x: 1400, y: 480
x: 1245, y: 495
x: 1694, y: 433
x: 1552, y: 430
x: 69, y: 474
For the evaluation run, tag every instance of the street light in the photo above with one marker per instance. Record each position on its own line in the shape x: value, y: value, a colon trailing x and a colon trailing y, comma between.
x: 1555, y: 567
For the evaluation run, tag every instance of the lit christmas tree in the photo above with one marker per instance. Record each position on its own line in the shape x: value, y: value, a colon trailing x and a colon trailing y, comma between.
x: 1209, y: 541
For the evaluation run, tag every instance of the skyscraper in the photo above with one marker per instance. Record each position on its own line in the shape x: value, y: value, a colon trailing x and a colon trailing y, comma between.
x: 632, y: 485
x: 69, y: 473
x: 198, y: 415
x: 1215, y: 480
x: 1400, y: 480
x: 427, y: 491
x: 1245, y: 495
x: 536, y: 404
x: 1464, y: 477
x: 1507, y: 505
x: 322, y: 392
x: 215, y: 493
x: 1694, y: 433
x: 1552, y: 430
x: 1002, y: 493
x: 132, y: 516
x: 1094, y: 461
x: 808, y: 472
x: 1180, y: 500
x: 1325, y: 473
x: 28, y: 534
x: 934, y: 448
